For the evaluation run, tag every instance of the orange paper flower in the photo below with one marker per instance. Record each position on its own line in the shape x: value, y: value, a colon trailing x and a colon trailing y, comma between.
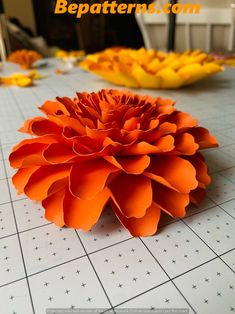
x: 135, y: 153
x: 25, y: 58
x: 151, y: 68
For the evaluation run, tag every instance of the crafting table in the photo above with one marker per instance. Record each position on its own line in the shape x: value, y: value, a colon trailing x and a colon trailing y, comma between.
x: 188, y: 264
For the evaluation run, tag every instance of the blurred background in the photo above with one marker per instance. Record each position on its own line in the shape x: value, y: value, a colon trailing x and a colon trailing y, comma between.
x: 32, y: 24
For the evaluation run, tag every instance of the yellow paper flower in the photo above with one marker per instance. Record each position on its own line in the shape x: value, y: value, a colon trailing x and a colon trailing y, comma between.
x: 19, y: 79
x: 151, y: 68
x: 61, y: 54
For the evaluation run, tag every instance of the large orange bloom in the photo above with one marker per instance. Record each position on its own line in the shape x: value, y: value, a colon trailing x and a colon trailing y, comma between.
x: 25, y: 58
x: 135, y: 153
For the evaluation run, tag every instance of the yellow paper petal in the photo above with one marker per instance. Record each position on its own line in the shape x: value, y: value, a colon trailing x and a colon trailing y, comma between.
x: 192, y: 73
x: 169, y: 78
x: 145, y: 79
x: 211, y: 68
x: 23, y: 82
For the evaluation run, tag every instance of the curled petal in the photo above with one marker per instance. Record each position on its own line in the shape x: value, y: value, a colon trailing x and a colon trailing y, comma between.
x: 185, y: 144
x: 132, y: 194
x: 203, y: 138
x: 27, y: 127
x: 165, y: 106
x: 42, y: 179
x: 167, y: 127
x: 170, y: 201
x: 178, y: 172
x: 84, y: 145
x: 132, y: 164
x: 28, y: 155
x: 130, y: 124
x: 47, y: 139
x: 142, y: 148
x: 88, y: 178
x: 45, y: 127
x: 183, y: 120
x: 21, y: 178
x: 58, y: 185
x: 100, y: 135
x: 201, y: 169
x: 84, y: 213
x: 165, y: 143
x: 74, y: 124
x: 144, y: 226
x: 58, y: 153
x: 53, y: 205
x: 40, y: 126
x: 54, y: 108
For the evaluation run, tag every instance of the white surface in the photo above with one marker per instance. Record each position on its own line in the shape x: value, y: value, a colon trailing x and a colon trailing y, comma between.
x: 41, y: 266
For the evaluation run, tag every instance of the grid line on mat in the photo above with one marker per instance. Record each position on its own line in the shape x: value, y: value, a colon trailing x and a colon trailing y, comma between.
x: 18, y: 237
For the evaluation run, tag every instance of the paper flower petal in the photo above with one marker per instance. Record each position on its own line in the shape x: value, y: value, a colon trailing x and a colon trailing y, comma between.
x: 144, y: 226
x: 41, y: 180
x: 28, y: 154
x: 54, y: 209
x: 89, y: 178
x: 58, y: 153
x: 133, y: 194
x: 21, y: 178
x: 84, y: 213
x: 131, y: 165
x: 170, y: 201
x: 171, y: 168
x: 203, y: 138
x: 185, y: 144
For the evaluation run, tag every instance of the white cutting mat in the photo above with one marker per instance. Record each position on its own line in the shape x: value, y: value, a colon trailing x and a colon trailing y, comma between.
x: 190, y: 263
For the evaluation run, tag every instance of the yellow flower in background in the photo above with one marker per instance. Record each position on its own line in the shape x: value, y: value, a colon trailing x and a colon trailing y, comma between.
x: 61, y: 54
x: 19, y: 79
x: 25, y: 58
x: 70, y: 58
x: 151, y: 68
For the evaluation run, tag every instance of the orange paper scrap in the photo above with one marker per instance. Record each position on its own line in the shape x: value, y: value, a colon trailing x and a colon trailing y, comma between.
x: 136, y: 153
x: 151, y: 68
